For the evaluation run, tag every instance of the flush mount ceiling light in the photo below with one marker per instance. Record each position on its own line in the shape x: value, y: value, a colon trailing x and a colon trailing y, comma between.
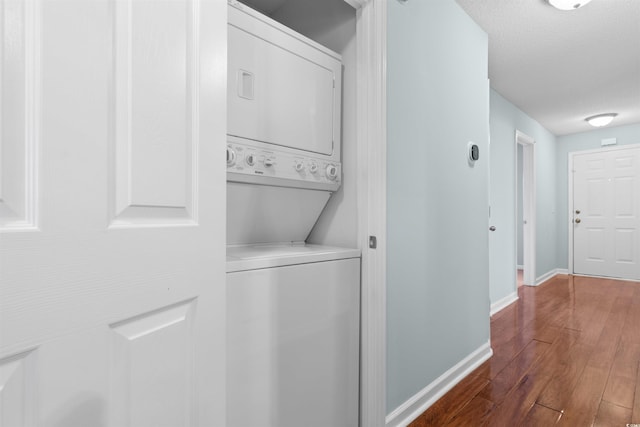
x: 568, y: 4
x: 601, y: 119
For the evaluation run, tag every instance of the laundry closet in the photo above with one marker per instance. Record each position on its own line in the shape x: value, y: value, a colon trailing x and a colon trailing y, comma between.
x: 293, y: 263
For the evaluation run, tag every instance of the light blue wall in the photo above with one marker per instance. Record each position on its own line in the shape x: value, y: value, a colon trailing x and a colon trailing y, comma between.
x: 437, y: 224
x: 625, y: 135
x: 505, y: 119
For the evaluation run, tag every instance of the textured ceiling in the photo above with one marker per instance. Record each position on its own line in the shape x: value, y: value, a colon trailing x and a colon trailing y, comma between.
x: 560, y: 67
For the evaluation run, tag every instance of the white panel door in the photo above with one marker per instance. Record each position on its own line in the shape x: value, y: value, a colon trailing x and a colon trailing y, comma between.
x: 112, y: 218
x: 606, y: 213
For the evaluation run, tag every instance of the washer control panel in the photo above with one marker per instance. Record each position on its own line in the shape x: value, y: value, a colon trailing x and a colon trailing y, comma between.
x: 246, y: 163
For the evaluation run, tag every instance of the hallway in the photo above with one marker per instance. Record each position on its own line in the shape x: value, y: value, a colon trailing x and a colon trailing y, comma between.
x: 566, y: 353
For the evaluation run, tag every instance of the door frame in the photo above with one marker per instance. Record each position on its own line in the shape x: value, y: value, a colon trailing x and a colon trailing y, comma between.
x: 528, y: 207
x: 569, y: 218
x: 371, y: 41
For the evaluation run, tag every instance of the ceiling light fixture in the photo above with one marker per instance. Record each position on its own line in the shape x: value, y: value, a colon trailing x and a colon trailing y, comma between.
x: 568, y: 4
x: 600, y: 119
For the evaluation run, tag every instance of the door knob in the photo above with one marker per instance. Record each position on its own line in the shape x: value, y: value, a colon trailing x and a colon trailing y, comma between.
x: 577, y: 212
x: 578, y: 221
x: 492, y: 228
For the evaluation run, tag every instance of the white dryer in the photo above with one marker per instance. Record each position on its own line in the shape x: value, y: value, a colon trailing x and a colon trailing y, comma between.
x: 293, y: 308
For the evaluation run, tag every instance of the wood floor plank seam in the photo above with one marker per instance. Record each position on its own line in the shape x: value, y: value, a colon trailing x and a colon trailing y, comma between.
x: 565, y: 353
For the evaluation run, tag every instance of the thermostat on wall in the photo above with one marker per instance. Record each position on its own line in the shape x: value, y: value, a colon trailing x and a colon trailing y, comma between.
x: 474, y: 152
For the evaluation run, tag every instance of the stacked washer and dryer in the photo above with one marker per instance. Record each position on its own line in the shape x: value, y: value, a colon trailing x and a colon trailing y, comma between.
x: 293, y: 307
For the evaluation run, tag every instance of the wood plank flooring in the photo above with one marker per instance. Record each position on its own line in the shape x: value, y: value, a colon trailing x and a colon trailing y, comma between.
x: 567, y: 353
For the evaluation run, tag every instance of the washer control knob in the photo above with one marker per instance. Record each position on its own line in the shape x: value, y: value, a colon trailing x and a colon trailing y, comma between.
x: 269, y: 161
x: 231, y: 156
x: 313, y: 167
x: 251, y: 159
x: 299, y: 165
x: 332, y: 172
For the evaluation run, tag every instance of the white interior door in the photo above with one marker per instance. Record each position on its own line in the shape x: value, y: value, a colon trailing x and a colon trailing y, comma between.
x: 112, y: 296
x: 606, y: 213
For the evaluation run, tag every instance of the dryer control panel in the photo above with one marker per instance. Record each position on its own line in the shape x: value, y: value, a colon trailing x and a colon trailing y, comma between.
x: 257, y: 164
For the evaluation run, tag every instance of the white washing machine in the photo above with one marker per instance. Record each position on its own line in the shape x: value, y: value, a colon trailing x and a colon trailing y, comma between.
x: 293, y: 328
x: 293, y: 308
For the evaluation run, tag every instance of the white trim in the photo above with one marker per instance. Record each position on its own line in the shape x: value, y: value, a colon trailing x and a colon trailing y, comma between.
x: 569, y: 218
x: 519, y: 267
x: 606, y: 149
x: 503, y: 303
x: 421, y: 401
x: 371, y: 20
x: 608, y: 278
x: 550, y: 275
x: 529, y: 206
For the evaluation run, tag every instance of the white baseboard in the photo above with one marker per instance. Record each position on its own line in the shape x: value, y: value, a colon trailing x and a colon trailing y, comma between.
x: 502, y: 303
x: 417, y: 404
x: 607, y: 277
x: 550, y: 274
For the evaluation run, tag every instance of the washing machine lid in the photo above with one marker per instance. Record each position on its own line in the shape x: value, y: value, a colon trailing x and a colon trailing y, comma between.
x: 254, y: 257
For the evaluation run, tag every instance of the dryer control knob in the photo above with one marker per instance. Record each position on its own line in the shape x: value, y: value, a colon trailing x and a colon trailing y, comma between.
x: 332, y: 172
x: 299, y: 166
x: 251, y: 159
x: 268, y: 161
x: 313, y: 167
x: 231, y: 156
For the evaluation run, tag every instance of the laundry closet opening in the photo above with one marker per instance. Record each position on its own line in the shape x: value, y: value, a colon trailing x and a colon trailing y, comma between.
x: 293, y: 263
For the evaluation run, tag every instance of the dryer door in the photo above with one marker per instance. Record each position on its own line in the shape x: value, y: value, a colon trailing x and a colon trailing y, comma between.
x: 281, y: 90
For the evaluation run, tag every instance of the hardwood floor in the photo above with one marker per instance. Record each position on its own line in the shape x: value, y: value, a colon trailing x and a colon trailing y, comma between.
x: 567, y: 353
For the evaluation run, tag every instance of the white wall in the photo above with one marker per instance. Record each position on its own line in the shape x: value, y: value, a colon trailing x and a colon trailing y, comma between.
x: 629, y: 134
x: 332, y: 23
x: 437, y: 213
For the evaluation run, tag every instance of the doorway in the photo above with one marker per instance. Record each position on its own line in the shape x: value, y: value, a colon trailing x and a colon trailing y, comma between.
x: 604, y: 213
x: 525, y: 210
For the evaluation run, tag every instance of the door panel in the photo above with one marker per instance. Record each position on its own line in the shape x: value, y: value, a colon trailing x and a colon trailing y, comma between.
x: 17, y: 386
x: 18, y: 181
x: 112, y: 296
x: 154, y: 151
x: 153, y: 352
x: 605, y: 191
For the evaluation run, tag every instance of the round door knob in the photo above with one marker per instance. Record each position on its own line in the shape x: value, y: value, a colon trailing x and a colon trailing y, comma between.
x: 231, y: 156
x: 251, y: 159
x: 492, y: 228
x: 578, y: 220
x: 332, y: 172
